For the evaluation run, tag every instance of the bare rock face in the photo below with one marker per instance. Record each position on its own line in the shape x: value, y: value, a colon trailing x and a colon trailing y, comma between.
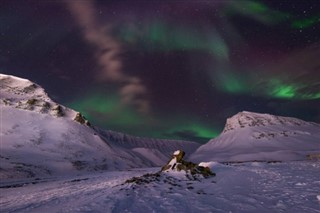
x: 81, y: 119
x: 58, y: 111
x: 177, y: 163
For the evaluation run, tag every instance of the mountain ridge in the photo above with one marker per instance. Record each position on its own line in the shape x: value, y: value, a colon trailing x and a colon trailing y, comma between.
x: 251, y: 119
x: 48, y: 138
x: 40, y: 137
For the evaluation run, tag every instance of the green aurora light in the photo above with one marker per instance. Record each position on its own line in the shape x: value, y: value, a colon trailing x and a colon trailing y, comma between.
x: 108, y: 107
x: 257, y: 11
x: 305, y: 23
x: 159, y: 36
x: 191, y: 124
x: 281, y: 90
x: 108, y: 112
x: 229, y: 82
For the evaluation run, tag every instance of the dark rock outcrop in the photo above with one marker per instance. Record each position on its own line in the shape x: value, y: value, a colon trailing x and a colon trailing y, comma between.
x: 167, y: 175
x: 177, y: 163
x: 81, y: 119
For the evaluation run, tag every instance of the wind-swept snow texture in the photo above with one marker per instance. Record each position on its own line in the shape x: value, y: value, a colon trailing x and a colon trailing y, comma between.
x: 41, y: 138
x: 241, y: 188
x: 251, y: 136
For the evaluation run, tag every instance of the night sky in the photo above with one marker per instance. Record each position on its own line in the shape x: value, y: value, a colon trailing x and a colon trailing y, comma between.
x: 168, y: 69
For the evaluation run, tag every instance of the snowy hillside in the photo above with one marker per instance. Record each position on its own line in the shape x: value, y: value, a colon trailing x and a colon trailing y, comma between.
x: 251, y: 136
x: 42, y: 138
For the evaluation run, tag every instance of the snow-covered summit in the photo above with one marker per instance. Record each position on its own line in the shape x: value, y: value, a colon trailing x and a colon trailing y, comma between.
x: 250, y: 119
x: 17, y: 89
x: 249, y: 136
x: 23, y: 94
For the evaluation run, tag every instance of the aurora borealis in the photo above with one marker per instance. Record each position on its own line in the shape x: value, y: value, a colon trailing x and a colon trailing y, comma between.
x: 168, y: 69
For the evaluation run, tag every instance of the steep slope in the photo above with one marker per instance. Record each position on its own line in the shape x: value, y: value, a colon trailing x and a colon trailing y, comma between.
x: 41, y: 138
x: 251, y: 136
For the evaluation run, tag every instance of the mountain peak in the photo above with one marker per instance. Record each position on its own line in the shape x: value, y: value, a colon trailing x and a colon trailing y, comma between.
x: 247, y: 119
x: 41, y: 138
x: 15, y: 89
x: 249, y: 136
x: 24, y: 94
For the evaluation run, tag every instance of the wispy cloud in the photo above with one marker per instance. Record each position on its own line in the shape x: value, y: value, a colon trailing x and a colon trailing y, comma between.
x: 108, y: 54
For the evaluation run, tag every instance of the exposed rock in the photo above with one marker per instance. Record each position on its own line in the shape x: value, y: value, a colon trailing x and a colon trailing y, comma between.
x: 178, y: 164
x: 57, y: 110
x: 46, y: 105
x: 32, y: 101
x: 147, y: 178
x: 30, y: 88
x: 314, y: 156
x: 6, y: 102
x: 81, y: 119
x: 188, y: 173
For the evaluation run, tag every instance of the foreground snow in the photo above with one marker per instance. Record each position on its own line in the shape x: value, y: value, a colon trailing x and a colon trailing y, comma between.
x: 249, y: 187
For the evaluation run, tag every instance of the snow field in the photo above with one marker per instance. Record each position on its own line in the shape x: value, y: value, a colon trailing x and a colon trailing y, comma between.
x: 247, y: 187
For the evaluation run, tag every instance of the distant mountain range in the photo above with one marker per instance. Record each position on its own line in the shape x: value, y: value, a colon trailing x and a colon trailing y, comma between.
x: 40, y: 137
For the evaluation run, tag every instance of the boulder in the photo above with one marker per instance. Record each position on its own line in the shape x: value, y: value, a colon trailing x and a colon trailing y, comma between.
x: 167, y: 175
x: 177, y: 163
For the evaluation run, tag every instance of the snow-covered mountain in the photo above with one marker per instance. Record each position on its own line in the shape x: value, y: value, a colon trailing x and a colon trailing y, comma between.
x: 41, y: 138
x: 249, y: 136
